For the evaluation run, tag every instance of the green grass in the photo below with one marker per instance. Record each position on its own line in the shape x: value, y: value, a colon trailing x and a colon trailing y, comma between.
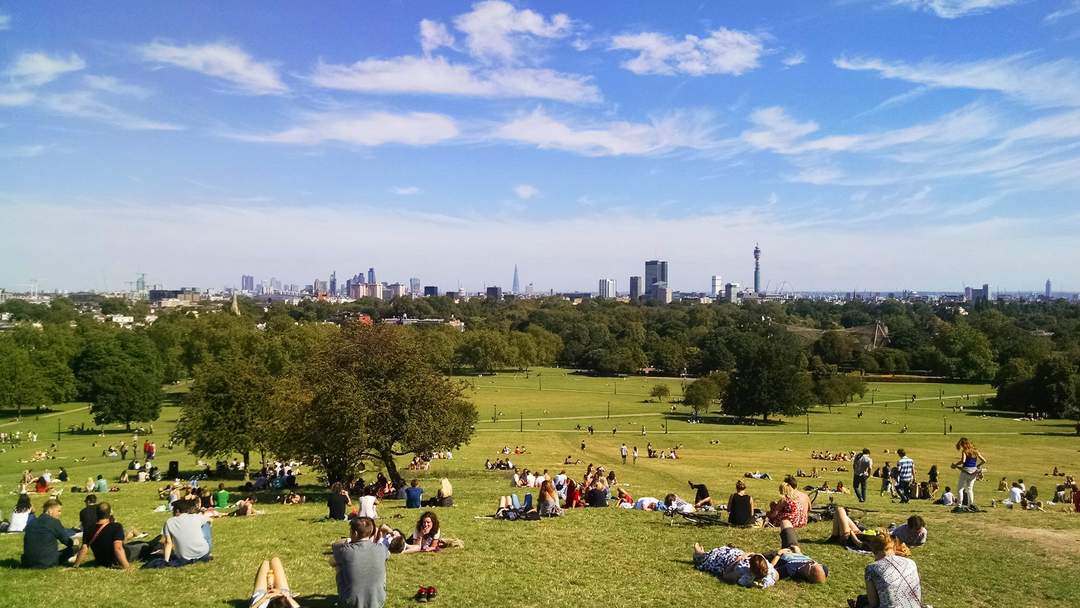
x: 592, y: 557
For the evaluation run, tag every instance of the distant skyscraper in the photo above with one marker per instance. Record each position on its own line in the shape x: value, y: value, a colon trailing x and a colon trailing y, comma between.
x: 656, y: 271
x: 1047, y: 289
x: 607, y: 289
x: 757, y: 269
x: 731, y: 293
x: 430, y: 291
x: 635, y: 289
x: 515, y: 288
x: 333, y: 283
x: 716, y: 286
x: 247, y: 282
x: 414, y: 286
x: 494, y: 294
x: 370, y: 275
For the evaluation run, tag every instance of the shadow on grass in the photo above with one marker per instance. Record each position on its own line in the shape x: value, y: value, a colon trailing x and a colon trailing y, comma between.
x: 307, y: 601
x: 10, y: 563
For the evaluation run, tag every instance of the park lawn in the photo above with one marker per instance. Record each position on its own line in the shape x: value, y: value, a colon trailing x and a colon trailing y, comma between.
x: 594, y: 557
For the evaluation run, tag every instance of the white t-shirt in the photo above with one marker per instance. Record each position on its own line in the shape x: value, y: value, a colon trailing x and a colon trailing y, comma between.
x: 515, y: 480
x: 187, y: 535
x: 947, y: 498
x: 647, y: 502
x: 560, y: 480
x: 530, y: 480
x: 1015, y: 495
x: 367, y: 507
x: 18, y: 521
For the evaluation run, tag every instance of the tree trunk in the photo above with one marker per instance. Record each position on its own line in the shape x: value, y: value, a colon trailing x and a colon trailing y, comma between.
x: 387, y: 458
x: 247, y: 460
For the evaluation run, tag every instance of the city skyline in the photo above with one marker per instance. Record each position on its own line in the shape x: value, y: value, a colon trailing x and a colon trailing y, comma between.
x: 879, y: 144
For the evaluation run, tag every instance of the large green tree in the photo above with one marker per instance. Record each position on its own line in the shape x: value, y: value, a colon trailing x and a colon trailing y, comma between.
x: 366, y: 394
x: 22, y: 385
x: 770, y: 376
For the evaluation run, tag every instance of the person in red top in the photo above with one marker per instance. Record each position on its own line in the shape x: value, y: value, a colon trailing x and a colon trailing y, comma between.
x: 787, y: 508
x: 573, y: 495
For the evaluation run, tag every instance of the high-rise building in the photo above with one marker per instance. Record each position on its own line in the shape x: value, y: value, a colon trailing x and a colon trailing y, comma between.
x: 635, y: 289
x: 716, y: 286
x: 394, y: 290
x: 969, y: 294
x: 981, y: 295
x: 515, y: 288
x: 333, y: 283
x: 430, y: 291
x: 656, y: 271
x: 414, y: 286
x: 247, y: 283
x: 731, y: 293
x: 607, y: 289
x: 1047, y: 289
x: 494, y: 294
x: 370, y: 275
x: 757, y: 268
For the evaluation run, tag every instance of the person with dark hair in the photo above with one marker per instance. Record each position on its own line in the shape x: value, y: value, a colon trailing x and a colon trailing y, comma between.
x: 413, y: 495
x: 88, y: 515
x: 185, y: 536
x: 426, y: 536
x: 701, y: 495
x: 272, y: 587
x: 735, y: 566
x: 860, y: 472
x: 337, y: 502
x: 912, y: 533
x: 107, y: 541
x: 21, y: 516
x: 905, y: 475
x: 361, y: 566
x: 740, y: 506
x: 41, y: 536
x: 221, y: 497
x: 792, y: 563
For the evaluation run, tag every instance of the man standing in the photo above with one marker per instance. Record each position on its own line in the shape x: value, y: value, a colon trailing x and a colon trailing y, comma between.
x: 361, y: 566
x: 861, y: 473
x: 905, y: 475
x: 41, y: 536
x: 623, y: 452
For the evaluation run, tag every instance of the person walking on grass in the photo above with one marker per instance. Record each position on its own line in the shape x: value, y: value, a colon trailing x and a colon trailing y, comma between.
x: 905, y: 475
x: 861, y: 473
x: 623, y: 452
x: 970, y: 462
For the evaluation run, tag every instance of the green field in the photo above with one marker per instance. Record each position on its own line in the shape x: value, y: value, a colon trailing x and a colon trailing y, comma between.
x: 606, y: 556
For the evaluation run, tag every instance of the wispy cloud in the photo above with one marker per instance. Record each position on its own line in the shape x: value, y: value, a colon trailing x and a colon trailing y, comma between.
x: 1067, y: 11
x: 406, y: 190
x: 722, y: 51
x: 30, y: 70
x: 219, y: 60
x: 115, y: 86
x: 5, y: 22
x: 526, y: 191
x: 369, y: 129
x: 663, y: 134
x: 496, y: 30
x: 952, y: 9
x: 86, y: 104
x: 1021, y: 77
x: 437, y: 76
x: 794, y: 59
x: 434, y: 35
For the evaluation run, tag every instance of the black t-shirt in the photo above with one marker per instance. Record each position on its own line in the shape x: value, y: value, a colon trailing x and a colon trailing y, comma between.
x: 337, y: 504
x: 88, y: 519
x: 740, y: 513
x: 702, y: 492
x: 596, y: 498
x: 102, y: 546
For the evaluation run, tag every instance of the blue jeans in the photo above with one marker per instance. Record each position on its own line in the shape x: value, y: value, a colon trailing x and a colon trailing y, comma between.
x: 858, y: 483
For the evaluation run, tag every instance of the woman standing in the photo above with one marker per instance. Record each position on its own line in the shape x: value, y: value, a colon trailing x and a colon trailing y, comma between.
x: 969, y: 463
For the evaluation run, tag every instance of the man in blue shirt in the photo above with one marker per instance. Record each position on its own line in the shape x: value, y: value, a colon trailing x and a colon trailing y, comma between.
x: 905, y: 475
x: 41, y: 536
x: 413, y: 494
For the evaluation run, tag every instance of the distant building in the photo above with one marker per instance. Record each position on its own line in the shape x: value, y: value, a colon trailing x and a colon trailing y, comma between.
x: 607, y: 289
x: 731, y: 293
x: 494, y: 294
x: 982, y: 295
x: 371, y: 275
x: 247, y: 283
x: 969, y: 294
x: 430, y: 291
x: 515, y: 286
x: 635, y: 289
x: 333, y: 283
x: 414, y: 286
x: 394, y: 290
x: 1048, y: 289
x: 716, y: 286
x: 660, y: 292
x: 656, y: 271
x: 757, y: 269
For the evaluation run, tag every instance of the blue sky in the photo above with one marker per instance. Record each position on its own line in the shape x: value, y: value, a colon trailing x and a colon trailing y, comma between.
x: 873, y: 144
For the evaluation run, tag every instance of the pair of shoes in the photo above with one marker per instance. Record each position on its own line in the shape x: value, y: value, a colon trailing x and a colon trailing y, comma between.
x: 426, y: 594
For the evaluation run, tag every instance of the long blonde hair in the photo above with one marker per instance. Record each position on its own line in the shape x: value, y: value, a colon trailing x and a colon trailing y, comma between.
x: 445, y: 489
x: 885, y: 543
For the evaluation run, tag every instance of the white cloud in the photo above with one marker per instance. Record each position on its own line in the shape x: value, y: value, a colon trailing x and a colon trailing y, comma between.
x: 723, y: 51
x: 85, y: 104
x: 220, y: 60
x: 794, y: 59
x: 115, y: 86
x: 1045, y: 84
x: 952, y: 9
x: 370, y: 129
x: 433, y: 35
x: 36, y: 69
x: 406, y: 190
x: 1068, y: 11
x: 495, y: 30
x: 526, y: 191
x: 775, y: 130
x: 437, y: 76
x: 663, y: 134
x: 5, y: 22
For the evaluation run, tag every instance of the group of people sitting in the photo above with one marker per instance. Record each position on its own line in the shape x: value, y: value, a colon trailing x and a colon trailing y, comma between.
x: 827, y: 455
x: 500, y: 464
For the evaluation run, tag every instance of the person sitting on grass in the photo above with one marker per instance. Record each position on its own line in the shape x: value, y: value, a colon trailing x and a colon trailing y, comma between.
x: 846, y: 531
x: 783, y: 508
x: 221, y: 497
x: 271, y: 588
x: 892, y: 580
x: 912, y: 533
x: 792, y: 564
x: 338, y: 502
x: 701, y: 495
x: 735, y: 566
x: 21, y: 516
x: 109, y: 543
x: 101, y: 486
x: 413, y: 495
x: 802, y: 501
x: 573, y: 495
x: 740, y: 506
x: 548, y: 502
x: 41, y: 536
x: 626, y: 501
x: 597, y: 496
x: 360, y: 565
x: 185, y: 536
x: 444, y: 497
x: 947, y: 499
x: 88, y: 515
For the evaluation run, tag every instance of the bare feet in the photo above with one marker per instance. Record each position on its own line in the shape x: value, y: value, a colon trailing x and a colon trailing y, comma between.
x: 698, y: 549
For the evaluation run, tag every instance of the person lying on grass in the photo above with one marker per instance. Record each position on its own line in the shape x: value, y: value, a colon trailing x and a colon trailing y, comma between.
x: 792, y: 564
x: 701, y: 495
x: 735, y: 566
x: 912, y: 533
x: 847, y: 532
x: 108, y: 542
x: 272, y: 587
x: 674, y: 504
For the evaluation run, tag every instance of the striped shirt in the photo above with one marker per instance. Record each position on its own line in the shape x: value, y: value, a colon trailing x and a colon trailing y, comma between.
x: 905, y: 469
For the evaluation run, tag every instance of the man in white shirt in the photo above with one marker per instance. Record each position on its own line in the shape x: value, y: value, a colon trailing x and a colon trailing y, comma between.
x: 367, y: 506
x: 186, y: 535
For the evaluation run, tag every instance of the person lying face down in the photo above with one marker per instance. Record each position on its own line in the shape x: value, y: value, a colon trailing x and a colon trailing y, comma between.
x: 735, y: 566
x: 791, y: 563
